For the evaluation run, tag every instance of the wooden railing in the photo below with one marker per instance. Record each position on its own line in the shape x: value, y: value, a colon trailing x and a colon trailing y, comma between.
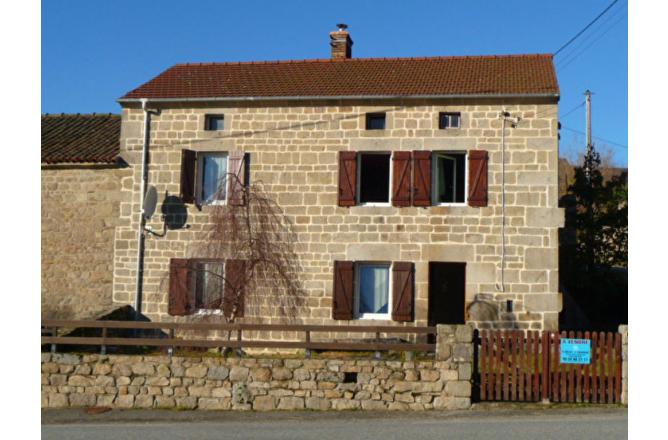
x: 234, y: 337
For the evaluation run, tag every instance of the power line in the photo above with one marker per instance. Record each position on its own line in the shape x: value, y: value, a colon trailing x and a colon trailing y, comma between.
x: 596, y: 137
x: 585, y: 28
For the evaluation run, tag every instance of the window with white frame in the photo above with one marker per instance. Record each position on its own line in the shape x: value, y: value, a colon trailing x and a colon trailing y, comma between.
x: 212, y: 181
x: 449, y: 120
x: 373, y: 178
x: 372, y: 293
x: 449, y: 178
x: 209, y: 284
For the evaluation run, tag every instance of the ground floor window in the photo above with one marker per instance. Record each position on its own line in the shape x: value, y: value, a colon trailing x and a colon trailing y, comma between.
x: 373, y: 291
x: 209, y: 284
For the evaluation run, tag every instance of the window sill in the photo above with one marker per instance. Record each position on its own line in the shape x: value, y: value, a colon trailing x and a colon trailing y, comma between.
x: 374, y: 317
x: 213, y: 203
x: 450, y: 204
x: 374, y: 204
x: 208, y: 312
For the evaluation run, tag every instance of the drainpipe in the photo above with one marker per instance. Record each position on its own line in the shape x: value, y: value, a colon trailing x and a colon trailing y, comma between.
x: 502, y: 287
x: 142, y: 223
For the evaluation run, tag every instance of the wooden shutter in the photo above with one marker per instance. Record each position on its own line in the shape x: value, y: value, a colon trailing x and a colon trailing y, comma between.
x: 188, y: 171
x: 403, y: 281
x: 342, y: 304
x: 236, y: 177
x: 401, y: 178
x: 478, y: 177
x: 421, y: 178
x: 234, y: 292
x: 347, y: 178
x: 180, y: 301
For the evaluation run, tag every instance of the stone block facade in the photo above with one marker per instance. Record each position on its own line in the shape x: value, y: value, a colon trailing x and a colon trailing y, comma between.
x: 80, y: 211
x: 293, y: 150
x: 624, y: 331
x: 261, y: 384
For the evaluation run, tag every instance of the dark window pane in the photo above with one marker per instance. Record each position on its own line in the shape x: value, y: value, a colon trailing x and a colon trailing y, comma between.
x: 448, y: 120
x: 215, y: 122
x: 375, y: 178
x: 450, y: 178
x: 454, y: 120
x: 375, y: 121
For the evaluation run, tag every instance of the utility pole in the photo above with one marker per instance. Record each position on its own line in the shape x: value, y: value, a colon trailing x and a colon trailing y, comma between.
x: 589, y: 144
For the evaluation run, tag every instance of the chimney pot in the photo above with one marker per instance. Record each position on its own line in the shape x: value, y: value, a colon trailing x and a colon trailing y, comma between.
x: 341, y: 43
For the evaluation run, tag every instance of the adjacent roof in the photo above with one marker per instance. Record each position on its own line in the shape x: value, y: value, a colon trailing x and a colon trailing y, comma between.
x: 356, y: 77
x: 80, y: 138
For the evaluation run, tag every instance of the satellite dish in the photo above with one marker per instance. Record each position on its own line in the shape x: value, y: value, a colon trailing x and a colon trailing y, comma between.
x: 150, y: 202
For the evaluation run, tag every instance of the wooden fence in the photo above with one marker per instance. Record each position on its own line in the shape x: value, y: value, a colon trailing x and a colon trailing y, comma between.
x: 233, y: 338
x: 525, y: 366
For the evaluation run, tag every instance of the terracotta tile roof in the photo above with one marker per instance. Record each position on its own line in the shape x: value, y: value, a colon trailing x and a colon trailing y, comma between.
x: 80, y: 138
x: 475, y: 75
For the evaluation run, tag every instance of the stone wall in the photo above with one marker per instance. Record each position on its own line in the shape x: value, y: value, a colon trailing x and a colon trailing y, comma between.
x: 263, y: 383
x: 294, y: 153
x: 624, y: 330
x: 80, y: 211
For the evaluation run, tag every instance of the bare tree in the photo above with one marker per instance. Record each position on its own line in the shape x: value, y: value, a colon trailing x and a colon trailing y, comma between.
x: 255, y: 238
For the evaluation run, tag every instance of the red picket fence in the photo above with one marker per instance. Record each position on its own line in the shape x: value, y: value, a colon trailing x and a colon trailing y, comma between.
x: 525, y: 366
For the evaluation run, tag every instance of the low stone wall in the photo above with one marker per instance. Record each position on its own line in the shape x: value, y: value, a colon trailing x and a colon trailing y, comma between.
x: 262, y: 383
x: 624, y: 330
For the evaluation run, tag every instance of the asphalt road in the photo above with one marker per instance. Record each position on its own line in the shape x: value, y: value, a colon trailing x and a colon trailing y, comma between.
x: 573, y: 424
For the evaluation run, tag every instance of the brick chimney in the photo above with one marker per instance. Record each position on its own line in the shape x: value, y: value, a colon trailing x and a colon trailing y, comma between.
x: 341, y: 43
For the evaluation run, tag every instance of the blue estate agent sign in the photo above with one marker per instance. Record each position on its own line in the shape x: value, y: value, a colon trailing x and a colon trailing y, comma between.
x: 575, y: 351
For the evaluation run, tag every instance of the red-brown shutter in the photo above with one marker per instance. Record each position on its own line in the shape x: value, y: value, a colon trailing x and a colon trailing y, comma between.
x: 234, y: 292
x: 342, y: 304
x: 179, y: 303
x: 401, y: 178
x: 236, y: 177
x: 478, y: 177
x: 188, y: 170
x: 347, y: 178
x: 421, y: 178
x: 403, y: 281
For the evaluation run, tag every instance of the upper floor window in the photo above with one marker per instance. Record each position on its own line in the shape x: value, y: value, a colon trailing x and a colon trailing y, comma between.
x: 449, y: 120
x: 213, y: 178
x: 214, y: 122
x: 374, y: 178
x: 449, y: 177
x: 375, y: 121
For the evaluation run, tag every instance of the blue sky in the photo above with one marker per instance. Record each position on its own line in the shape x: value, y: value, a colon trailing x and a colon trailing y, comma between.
x: 94, y: 51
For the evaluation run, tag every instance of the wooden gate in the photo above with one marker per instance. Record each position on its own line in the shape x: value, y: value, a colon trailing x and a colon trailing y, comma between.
x: 525, y: 366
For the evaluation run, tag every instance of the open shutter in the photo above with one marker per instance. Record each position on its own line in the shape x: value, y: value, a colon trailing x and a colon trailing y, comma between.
x: 421, y: 178
x: 347, y: 178
x: 234, y: 292
x: 401, y: 178
x: 188, y: 167
x: 403, y: 281
x: 236, y: 177
x: 342, y: 304
x: 180, y: 302
x: 478, y: 177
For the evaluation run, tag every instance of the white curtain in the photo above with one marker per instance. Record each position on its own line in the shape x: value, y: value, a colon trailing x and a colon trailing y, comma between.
x: 214, y: 169
x: 374, y: 289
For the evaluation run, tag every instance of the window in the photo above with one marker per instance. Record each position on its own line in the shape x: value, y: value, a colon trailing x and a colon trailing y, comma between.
x: 449, y: 120
x: 214, y: 122
x: 375, y: 121
x: 374, y: 178
x: 372, y: 296
x: 209, y: 284
x: 449, y: 181
x: 213, y: 172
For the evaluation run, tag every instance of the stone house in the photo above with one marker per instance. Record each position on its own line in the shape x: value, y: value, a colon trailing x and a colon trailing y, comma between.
x: 80, y: 195
x: 422, y: 190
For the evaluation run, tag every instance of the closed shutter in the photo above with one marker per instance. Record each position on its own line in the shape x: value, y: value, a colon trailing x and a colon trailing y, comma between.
x: 234, y: 292
x: 478, y: 160
x: 403, y: 281
x: 347, y: 178
x: 236, y: 178
x: 342, y: 303
x: 180, y: 298
x: 188, y: 168
x: 401, y: 178
x: 421, y: 178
